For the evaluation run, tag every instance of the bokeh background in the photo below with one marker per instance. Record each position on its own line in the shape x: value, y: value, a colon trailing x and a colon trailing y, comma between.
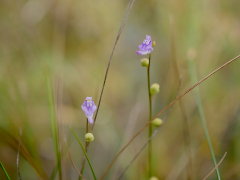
x: 73, y: 40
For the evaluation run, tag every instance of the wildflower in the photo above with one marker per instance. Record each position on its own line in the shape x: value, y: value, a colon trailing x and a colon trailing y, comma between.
x: 146, y: 46
x: 88, y: 108
x: 157, y: 122
x: 144, y: 62
x: 89, y: 137
x: 154, y: 89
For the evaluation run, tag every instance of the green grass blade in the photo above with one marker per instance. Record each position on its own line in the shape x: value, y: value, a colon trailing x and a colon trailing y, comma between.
x: 194, y: 79
x: 5, y: 172
x: 54, y: 173
x: 54, y: 128
x: 85, y: 154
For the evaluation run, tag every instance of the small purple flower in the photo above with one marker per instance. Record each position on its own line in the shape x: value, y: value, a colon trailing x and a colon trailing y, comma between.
x: 88, y: 108
x: 146, y: 46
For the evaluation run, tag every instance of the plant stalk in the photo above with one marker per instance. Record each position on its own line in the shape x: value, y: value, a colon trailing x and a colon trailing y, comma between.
x: 150, y: 117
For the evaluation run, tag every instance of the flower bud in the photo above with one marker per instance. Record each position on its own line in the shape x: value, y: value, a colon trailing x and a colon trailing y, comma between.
x: 157, y: 122
x: 153, y: 43
x: 153, y: 178
x: 144, y: 62
x: 154, y: 89
x: 89, y: 137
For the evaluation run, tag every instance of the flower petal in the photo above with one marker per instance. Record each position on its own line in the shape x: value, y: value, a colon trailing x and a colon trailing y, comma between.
x: 143, y: 52
x: 148, y: 37
x: 90, y: 119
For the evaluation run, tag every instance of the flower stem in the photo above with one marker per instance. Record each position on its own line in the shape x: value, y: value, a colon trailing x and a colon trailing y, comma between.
x: 86, y: 144
x: 150, y: 117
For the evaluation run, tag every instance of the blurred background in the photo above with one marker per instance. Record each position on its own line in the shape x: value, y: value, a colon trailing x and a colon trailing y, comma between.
x: 73, y: 40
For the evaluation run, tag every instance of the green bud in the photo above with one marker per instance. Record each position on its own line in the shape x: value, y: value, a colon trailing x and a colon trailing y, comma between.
x: 157, y: 122
x: 154, y: 89
x: 89, y: 137
x: 144, y: 62
x: 153, y: 178
x: 153, y: 43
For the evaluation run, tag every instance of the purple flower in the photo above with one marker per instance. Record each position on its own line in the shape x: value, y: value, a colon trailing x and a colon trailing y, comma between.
x: 88, y: 108
x: 146, y: 46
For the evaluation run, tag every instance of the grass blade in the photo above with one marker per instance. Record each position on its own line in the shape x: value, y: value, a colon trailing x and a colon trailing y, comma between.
x: 194, y: 79
x: 54, y: 128
x: 85, y: 154
x: 5, y: 136
x: 5, y: 172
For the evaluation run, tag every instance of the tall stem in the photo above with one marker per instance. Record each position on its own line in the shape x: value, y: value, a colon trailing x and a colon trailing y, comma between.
x: 84, y: 158
x: 150, y: 117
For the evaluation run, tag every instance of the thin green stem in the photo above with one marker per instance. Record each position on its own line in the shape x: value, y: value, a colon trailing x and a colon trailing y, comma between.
x: 86, y: 145
x: 194, y: 79
x: 150, y: 117
x: 53, y: 121
x: 5, y: 172
x: 85, y: 154
x: 153, y: 134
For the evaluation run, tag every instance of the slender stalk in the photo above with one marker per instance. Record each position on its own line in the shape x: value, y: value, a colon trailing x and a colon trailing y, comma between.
x: 153, y: 134
x: 54, y: 127
x: 85, y: 154
x: 5, y: 172
x: 124, y: 20
x: 86, y: 145
x: 150, y: 117
x: 193, y: 77
x: 179, y: 97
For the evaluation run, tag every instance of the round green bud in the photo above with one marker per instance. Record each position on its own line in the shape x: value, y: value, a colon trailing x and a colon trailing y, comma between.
x: 157, y: 122
x: 144, y: 62
x: 153, y: 43
x: 89, y: 137
x: 155, y: 88
x: 153, y: 178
